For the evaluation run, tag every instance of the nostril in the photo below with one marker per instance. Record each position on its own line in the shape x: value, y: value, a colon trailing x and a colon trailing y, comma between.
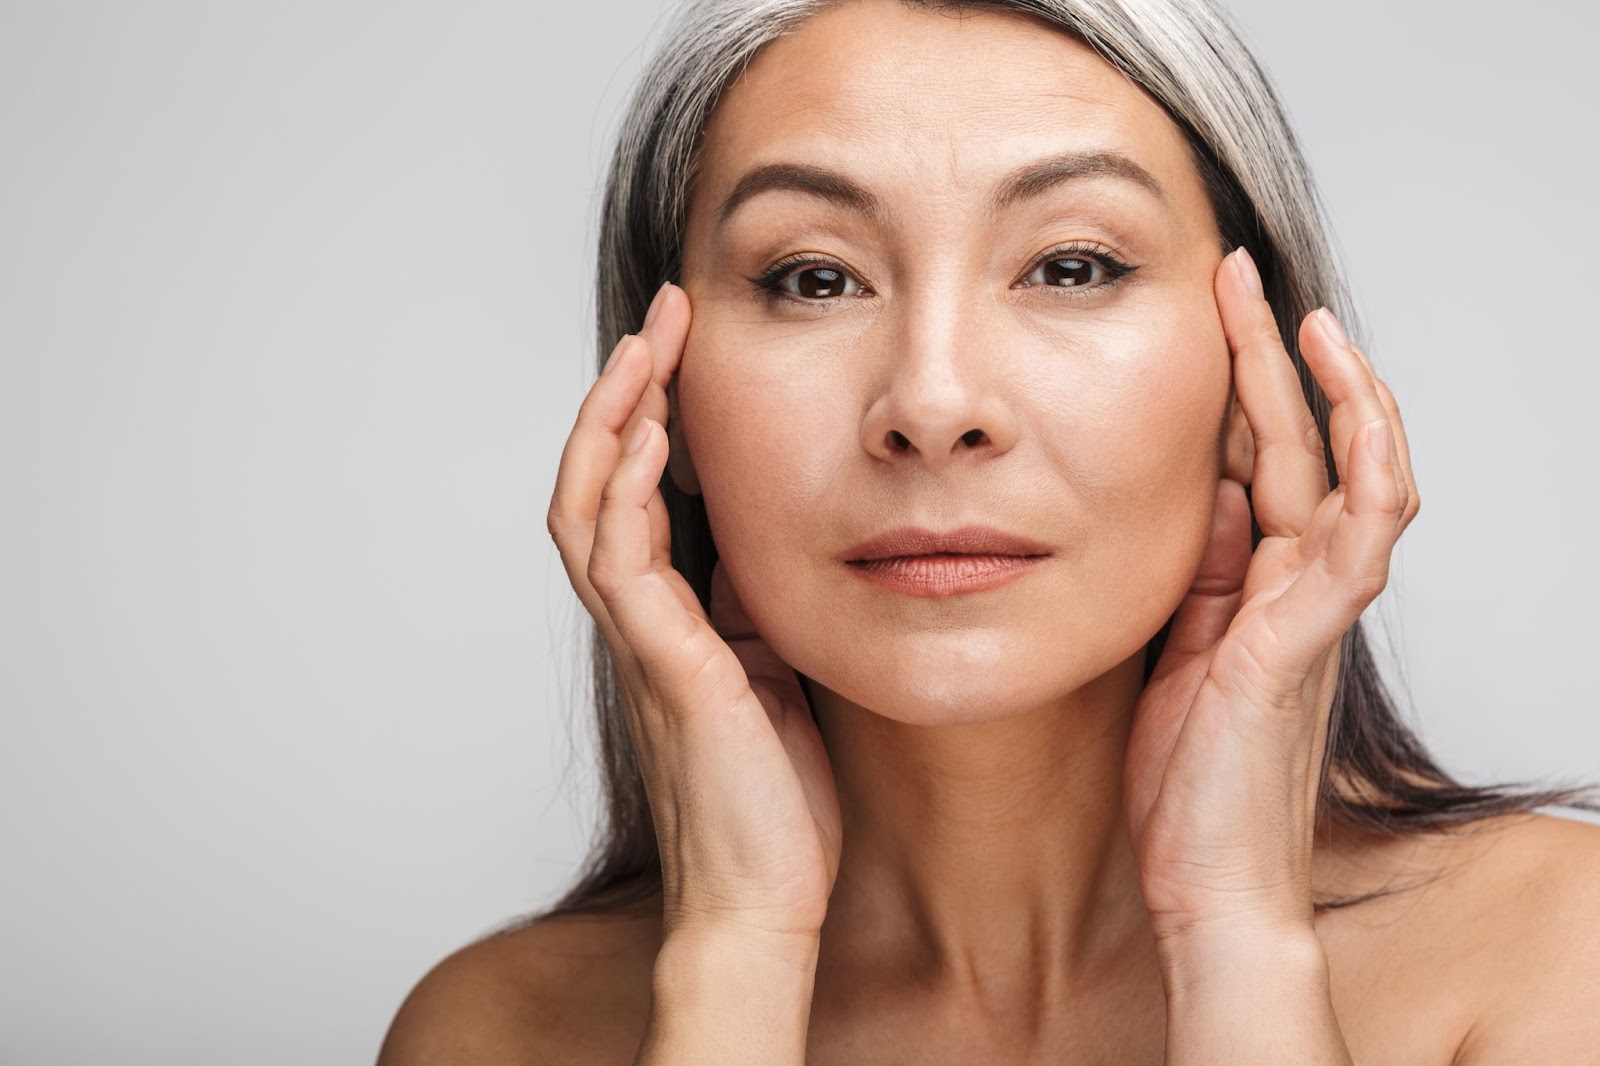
x: 972, y: 436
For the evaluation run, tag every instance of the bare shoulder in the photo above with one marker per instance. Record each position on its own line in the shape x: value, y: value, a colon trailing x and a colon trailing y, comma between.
x: 1537, y: 896
x: 1482, y: 938
x: 573, y: 989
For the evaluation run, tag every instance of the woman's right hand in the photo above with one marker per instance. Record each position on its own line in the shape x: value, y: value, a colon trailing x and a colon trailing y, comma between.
x: 740, y: 787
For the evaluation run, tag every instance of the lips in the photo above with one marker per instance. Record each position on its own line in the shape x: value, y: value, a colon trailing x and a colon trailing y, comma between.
x: 907, y: 541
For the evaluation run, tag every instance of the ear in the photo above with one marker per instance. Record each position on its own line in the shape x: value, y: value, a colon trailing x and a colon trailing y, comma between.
x: 1239, y: 460
x: 679, y: 463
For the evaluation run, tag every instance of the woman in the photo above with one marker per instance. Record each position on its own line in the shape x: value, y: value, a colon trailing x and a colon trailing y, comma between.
x: 976, y: 530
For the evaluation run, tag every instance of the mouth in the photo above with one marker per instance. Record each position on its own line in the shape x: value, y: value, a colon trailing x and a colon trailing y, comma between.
x: 913, y: 542
x: 923, y: 562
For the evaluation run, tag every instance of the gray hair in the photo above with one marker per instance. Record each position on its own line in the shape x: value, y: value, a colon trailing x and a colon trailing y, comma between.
x: 1189, y: 57
x: 1186, y: 53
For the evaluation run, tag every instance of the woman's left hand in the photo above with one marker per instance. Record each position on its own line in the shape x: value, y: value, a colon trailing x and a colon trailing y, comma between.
x: 1227, y: 738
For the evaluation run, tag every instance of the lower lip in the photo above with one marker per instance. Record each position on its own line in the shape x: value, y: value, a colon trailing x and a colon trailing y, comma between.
x: 945, y: 575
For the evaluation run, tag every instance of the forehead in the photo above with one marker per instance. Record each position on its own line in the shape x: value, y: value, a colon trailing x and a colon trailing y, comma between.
x: 929, y: 105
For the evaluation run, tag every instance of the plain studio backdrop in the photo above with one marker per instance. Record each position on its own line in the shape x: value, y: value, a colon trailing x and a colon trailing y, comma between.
x: 295, y: 316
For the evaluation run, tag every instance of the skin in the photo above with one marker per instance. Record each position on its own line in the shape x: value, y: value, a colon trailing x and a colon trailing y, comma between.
x: 988, y: 866
x: 949, y: 382
x: 1100, y: 410
x: 977, y: 742
x: 987, y: 843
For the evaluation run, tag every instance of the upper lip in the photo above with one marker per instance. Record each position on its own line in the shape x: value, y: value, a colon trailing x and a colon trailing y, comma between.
x: 968, y: 540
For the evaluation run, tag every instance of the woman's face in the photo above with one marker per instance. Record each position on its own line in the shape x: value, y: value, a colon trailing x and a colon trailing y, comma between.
x: 948, y: 342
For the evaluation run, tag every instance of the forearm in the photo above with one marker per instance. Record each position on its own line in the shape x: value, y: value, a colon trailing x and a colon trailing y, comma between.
x: 730, y: 999
x: 1247, y: 997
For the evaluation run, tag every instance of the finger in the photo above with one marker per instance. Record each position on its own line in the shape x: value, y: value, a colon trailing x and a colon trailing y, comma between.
x: 625, y: 572
x: 660, y: 529
x: 1377, y: 389
x: 1344, y: 379
x: 630, y: 386
x: 591, y: 454
x: 1402, y: 446
x: 661, y: 551
x: 652, y: 405
x: 665, y: 328
x: 1401, y: 477
x: 1329, y: 595
x: 1314, y: 541
x: 1213, y: 597
x: 1290, y: 473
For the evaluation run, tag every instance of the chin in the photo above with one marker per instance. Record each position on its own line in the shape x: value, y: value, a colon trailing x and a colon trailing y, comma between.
x: 952, y: 678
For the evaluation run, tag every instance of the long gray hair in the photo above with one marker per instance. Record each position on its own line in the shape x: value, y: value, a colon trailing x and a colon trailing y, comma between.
x: 1187, y: 54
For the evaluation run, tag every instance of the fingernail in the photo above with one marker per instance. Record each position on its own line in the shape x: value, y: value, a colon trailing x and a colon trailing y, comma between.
x: 615, y: 352
x: 655, y: 305
x: 639, y: 435
x: 1378, y: 440
x: 1248, y: 271
x: 1330, y: 326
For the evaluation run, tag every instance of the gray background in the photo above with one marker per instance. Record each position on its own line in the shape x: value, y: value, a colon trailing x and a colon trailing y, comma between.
x: 294, y: 319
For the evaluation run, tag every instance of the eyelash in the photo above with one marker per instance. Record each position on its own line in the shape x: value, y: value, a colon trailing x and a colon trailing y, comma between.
x: 769, y: 285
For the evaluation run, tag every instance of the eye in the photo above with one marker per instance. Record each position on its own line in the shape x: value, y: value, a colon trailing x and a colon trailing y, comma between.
x: 808, y: 280
x: 1075, y: 272
x: 1075, y: 267
x: 819, y: 283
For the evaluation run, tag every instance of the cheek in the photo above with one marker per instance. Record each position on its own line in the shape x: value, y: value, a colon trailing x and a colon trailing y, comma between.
x: 1116, y: 455
x: 757, y: 422
x: 1139, y: 419
x: 1139, y: 448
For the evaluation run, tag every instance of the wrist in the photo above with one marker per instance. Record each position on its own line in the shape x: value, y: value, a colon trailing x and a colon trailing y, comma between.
x: 1244, y: 994
x: 704, y: 969
x: 1239, y: 958
x: 726, y: 949
x: 730, y: 996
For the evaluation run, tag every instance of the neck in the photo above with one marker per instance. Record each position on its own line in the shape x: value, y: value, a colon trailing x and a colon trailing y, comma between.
x: 985, y: 860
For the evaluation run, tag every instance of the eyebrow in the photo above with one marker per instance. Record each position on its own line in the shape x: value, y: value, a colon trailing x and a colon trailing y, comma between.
x: 803, y: 178
x: 1039, y: 177
x: 1026, y: 183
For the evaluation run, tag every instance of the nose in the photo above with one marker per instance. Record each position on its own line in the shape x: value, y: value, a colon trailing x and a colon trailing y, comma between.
x: 941, y: 395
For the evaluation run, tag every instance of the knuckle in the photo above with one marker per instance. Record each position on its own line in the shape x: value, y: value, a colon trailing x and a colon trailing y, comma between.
x: 1264, y: 331
x: 1364, y: 588
x: 1397, y: 503
x: 591, y: 412
x: 1311, y: 435
x: 610, y: 491
x: 605, y: 578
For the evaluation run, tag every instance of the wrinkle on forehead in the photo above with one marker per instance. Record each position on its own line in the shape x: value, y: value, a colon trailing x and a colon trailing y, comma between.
x: 956, y: 102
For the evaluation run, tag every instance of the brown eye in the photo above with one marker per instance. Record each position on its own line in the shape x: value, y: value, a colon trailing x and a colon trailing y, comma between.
x: 1069, y: 272
x: 818, y: 283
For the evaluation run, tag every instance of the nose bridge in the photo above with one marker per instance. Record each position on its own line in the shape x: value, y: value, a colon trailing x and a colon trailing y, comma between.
x: 941, y: 396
